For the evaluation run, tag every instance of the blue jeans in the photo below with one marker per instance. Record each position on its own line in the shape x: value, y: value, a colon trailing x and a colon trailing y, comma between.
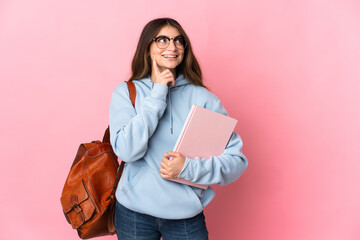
x: 131, y: 225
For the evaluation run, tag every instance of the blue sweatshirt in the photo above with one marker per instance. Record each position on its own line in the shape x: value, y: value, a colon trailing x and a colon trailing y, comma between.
x: 141, y: 135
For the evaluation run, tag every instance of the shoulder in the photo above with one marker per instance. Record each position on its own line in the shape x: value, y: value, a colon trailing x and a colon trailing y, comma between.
x: 203, y: 95
x: 207, y: 99
x: 120, y: 87
x: 120, y: 94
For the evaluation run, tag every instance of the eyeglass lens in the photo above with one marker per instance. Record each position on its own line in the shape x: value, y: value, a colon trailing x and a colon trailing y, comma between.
x: 164, y: 42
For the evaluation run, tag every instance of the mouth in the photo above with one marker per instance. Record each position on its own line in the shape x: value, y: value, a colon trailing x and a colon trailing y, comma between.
x: 170, y: 56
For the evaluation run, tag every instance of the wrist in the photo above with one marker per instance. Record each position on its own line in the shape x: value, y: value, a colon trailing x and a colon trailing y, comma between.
x: 159, y: 91
x: 183, y: 173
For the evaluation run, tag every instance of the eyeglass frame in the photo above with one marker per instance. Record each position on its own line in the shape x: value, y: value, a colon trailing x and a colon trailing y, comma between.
x: 162, y: 36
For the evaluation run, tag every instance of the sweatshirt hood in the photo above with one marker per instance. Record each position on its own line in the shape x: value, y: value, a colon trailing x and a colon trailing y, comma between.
x: 179, y: 81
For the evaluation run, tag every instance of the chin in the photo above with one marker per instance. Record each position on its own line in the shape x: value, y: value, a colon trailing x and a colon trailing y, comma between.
x: 170, y: 66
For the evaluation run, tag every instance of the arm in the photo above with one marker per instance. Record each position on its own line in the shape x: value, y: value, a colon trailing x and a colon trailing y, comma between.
x: 130, y: 131
x: 222, y: 169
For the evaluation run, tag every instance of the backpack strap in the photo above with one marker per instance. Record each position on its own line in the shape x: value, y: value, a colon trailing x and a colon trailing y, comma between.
x: 132, y: 92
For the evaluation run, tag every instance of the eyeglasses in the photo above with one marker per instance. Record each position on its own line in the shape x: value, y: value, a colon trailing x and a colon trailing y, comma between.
x: 163, y: 42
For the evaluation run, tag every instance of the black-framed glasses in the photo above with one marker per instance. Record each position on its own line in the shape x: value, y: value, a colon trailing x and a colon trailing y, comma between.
x: 163, y: 42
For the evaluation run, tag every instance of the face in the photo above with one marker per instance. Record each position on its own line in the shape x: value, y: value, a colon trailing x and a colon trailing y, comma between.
x: 170, y: 57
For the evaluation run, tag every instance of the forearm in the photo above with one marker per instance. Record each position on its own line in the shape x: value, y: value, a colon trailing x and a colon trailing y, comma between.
x: 221, y: 170
x: 129, y: 130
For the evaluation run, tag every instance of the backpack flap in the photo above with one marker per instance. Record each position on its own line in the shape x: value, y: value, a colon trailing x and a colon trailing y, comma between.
x: 78, y: 208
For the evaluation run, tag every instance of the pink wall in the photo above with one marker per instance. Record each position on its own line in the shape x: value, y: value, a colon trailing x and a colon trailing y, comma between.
x: 289, y: 71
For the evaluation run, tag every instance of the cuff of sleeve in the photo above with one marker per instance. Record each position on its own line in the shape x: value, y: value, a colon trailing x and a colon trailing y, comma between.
x: 159, y: 91
x: 182, y: 174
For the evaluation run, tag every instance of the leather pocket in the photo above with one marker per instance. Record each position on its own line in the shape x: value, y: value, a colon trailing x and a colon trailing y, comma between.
x: 78, y: 207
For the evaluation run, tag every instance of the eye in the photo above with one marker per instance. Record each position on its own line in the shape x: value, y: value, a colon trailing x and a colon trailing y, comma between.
x: 179, y: 40
x: 162, y: 40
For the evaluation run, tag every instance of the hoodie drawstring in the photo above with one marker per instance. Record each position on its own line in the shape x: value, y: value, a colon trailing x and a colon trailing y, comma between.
x: 171, y: 118
x: 180, y: 81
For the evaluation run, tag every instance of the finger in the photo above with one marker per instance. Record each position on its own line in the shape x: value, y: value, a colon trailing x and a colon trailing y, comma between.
x: 155, y: 67
x: 165, y: 176
x: 168, y: 158
x: 167, y: 72
x: 167, y: 76
x: 165, y: 160
x: 168, y: 162
x: 164, y: 165
x: 167, y: 155
x: 172, y: 153
x: 170, y: 81
x: 163, y: 171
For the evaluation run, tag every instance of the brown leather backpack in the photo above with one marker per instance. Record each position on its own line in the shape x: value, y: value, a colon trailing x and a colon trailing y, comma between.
x: 88, y: 197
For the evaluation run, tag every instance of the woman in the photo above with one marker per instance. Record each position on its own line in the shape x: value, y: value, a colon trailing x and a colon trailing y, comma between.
x: 168, y: 82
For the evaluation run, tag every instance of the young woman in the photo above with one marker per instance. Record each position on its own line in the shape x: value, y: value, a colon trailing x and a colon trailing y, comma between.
x: 168, y: 82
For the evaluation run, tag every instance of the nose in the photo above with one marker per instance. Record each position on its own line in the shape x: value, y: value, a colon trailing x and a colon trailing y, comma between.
x: 171, y: 45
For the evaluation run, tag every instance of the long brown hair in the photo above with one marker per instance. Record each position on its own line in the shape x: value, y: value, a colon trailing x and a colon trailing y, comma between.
x: 141, y: 63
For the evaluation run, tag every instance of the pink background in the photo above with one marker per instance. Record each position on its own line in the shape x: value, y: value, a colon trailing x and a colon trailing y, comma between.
x: 289, y: 71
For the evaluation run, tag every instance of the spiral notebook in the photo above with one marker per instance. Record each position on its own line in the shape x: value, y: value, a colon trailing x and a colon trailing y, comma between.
x: 204, y: 134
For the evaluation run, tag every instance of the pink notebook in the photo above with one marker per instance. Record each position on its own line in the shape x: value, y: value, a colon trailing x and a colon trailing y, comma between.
x: 204, y: 134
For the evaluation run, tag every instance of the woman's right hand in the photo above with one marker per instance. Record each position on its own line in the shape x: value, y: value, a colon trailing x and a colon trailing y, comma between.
x: 165, y: 77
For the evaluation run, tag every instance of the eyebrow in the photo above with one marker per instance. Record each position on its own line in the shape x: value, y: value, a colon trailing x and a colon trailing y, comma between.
x: 170, y: 37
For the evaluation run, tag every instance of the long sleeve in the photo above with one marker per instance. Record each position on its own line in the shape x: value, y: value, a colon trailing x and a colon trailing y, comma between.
x: 129, y: 130
x: 222, y: 169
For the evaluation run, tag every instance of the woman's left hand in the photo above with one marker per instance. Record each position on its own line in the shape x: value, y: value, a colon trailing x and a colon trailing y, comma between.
x: 171, y: 168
